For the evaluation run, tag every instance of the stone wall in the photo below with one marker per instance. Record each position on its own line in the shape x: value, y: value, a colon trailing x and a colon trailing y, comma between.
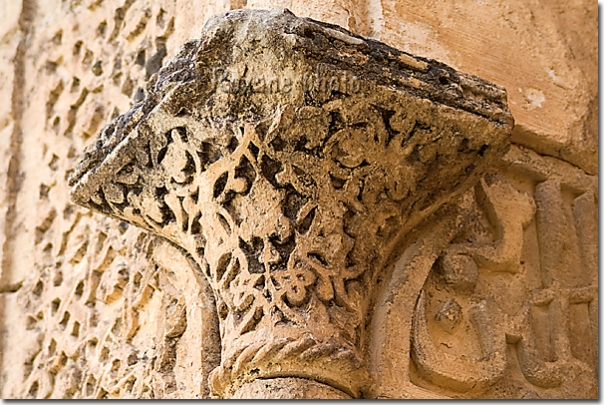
x: 495, y: 300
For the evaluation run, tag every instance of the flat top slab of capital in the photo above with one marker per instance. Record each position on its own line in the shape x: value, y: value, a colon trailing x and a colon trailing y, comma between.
x: 257, y: 59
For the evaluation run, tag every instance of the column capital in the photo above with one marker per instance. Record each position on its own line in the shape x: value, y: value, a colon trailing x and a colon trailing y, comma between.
x: 288, y: 157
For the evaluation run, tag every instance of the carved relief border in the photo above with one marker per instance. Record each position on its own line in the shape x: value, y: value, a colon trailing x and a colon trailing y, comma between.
x: 513, y: 301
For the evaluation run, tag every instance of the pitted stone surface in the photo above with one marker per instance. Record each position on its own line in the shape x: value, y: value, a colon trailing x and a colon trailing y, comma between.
x: 288, y: 157
x: 93, y: 308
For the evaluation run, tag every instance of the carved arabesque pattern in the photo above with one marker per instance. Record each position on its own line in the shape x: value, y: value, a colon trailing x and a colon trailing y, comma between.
x: 291, y: 203
x: 490, y: 289
x: 94, y: 295
x: 273, y: 211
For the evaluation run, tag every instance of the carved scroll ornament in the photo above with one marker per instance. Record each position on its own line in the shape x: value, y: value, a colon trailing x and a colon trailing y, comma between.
x: 288, y: 157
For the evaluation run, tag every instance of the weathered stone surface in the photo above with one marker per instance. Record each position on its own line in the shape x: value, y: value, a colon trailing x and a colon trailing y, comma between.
x: 55, y: 253
x: 544, y: 53
x: 548, y: 71
x: 92, y: 308
x: 288, y: 157
x: 287, y: 388
x: 522, y: 314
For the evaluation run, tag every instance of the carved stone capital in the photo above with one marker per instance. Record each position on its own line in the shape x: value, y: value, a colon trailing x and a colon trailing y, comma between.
x: 288, y: 157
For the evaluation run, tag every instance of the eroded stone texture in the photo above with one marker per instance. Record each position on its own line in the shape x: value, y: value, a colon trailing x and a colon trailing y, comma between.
x: 288, y: 158
x: 92, y: 308
x: 521, y: 272
x: 531, y: 48
x: 74, y: 322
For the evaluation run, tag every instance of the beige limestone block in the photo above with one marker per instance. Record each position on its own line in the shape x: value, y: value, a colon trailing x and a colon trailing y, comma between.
x: 543, y: 53
x: 92, y: 308
x: 287, y: 388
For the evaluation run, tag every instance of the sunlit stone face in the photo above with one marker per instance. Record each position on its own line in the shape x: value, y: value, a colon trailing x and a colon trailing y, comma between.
x: 291, y: 202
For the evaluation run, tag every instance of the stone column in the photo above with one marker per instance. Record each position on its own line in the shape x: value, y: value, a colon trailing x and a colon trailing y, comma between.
x: 287, y: 158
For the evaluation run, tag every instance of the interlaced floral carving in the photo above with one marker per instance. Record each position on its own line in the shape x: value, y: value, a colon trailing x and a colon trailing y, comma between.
x: 291, y: 203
